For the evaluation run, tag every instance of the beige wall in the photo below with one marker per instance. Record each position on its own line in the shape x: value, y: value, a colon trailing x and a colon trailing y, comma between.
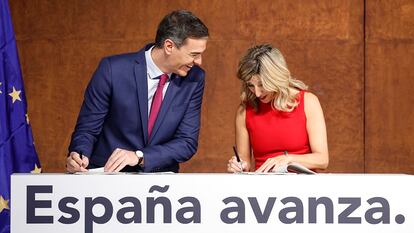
x: 354, y: 55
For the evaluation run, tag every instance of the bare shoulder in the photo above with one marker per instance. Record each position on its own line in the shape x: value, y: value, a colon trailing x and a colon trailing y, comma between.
x: 312, y: 103
x: 241, y: 115
x: 311, y: 99
x: 241, y: 110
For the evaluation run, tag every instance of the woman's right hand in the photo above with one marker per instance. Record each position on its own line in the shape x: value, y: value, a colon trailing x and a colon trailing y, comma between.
x: 233, y: 166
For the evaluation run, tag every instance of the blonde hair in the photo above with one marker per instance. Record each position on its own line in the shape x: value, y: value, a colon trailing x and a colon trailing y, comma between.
x: 269, y: 64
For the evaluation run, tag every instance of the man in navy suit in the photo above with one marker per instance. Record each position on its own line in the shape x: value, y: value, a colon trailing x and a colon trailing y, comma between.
x: 115, y: 129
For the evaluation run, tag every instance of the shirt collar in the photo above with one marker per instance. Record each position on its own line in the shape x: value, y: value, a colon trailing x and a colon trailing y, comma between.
x: 152, y: 69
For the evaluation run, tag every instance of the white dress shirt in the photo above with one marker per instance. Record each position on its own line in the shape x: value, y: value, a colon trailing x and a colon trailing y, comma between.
x: 153, y: 74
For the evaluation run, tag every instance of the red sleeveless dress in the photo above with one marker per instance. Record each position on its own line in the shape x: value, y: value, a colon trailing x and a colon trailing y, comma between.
x: 272, y: 131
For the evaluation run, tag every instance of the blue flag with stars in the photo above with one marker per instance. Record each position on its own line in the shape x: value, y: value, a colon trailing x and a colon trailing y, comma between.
x: 17, y: 151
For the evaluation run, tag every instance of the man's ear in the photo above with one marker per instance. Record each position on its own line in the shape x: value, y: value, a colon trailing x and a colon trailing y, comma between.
x: 168, y: 46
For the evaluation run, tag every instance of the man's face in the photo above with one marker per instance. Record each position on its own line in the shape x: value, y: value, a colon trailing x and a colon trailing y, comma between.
x: 182, y: 59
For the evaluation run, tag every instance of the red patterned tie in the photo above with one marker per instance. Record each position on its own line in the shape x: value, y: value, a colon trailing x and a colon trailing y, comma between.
x: 156, y: 103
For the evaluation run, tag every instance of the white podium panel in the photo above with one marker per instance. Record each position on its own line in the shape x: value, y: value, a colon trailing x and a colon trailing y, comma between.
x: 205, y: 203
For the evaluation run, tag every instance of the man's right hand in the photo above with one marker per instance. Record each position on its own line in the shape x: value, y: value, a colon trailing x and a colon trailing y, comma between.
x: 75, y: 164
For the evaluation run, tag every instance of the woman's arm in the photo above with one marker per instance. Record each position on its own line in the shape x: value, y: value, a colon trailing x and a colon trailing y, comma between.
x: 315, y: 125
x: 242, y: 143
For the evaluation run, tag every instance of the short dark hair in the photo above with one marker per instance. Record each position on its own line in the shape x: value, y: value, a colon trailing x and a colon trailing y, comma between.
x: 178, y: 26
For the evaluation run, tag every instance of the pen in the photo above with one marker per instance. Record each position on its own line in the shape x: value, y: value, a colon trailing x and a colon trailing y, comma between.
x: 238, y: 158
x: 81, y: 157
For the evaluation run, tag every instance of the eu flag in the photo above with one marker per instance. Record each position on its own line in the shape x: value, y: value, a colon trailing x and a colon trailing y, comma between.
x: 17, y: 151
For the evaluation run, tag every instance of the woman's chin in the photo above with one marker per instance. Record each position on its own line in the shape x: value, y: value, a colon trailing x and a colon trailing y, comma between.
x: 265, y: 101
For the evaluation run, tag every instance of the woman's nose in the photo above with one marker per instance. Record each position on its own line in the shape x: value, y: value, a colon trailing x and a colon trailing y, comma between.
x: 258, y: 92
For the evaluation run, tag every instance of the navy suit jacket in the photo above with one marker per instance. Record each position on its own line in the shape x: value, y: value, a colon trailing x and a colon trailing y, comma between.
x: 114, y: 114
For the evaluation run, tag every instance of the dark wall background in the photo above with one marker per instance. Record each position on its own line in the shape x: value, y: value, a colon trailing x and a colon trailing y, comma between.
x: 355, y: 55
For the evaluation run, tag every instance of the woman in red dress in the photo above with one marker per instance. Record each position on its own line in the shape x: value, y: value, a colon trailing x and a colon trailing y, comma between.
x: 278, y: 121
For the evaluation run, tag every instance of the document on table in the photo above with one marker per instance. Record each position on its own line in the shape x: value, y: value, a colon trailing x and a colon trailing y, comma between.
x: 100, y: 171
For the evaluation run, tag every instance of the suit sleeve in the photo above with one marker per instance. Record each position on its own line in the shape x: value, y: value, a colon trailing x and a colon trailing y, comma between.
x: 185, y: 141
x: 93, y: 111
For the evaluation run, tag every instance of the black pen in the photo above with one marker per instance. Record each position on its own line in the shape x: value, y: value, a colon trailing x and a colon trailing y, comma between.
x: 81, y: 157
x: 238, y: 157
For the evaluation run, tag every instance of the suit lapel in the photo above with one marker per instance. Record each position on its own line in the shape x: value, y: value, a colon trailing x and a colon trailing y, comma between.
x: 172, y: 90
x: 140, y: 70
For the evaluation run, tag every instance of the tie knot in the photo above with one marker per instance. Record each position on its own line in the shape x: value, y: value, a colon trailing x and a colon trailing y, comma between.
x: 163, y: 79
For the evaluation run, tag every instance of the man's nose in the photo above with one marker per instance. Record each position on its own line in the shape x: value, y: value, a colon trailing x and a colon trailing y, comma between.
x: 198, y: 60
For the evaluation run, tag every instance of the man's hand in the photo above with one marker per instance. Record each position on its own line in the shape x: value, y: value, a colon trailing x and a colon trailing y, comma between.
x: 75, y: 164
x: 119, y: 159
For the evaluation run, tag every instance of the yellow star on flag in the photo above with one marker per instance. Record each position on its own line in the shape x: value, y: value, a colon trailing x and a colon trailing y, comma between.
x: 37, y: 170
x: 4, y: 204
x: 15, y: 95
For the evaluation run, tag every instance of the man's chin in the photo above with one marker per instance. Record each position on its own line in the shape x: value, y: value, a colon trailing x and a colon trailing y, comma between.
x: 182, y: 73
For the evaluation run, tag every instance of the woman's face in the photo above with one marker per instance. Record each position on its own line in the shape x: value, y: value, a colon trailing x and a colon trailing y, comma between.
x: 256, y: 87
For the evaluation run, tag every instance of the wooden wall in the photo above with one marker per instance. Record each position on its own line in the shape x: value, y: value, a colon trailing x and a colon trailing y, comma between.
x: 389, y: 75
x: 355, y: 55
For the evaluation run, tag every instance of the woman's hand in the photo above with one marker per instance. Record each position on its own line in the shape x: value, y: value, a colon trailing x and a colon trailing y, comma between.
x: 234, y: 166
x: 272, y: 164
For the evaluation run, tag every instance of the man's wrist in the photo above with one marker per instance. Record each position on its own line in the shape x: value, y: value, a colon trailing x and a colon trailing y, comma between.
x: 140, y: 157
